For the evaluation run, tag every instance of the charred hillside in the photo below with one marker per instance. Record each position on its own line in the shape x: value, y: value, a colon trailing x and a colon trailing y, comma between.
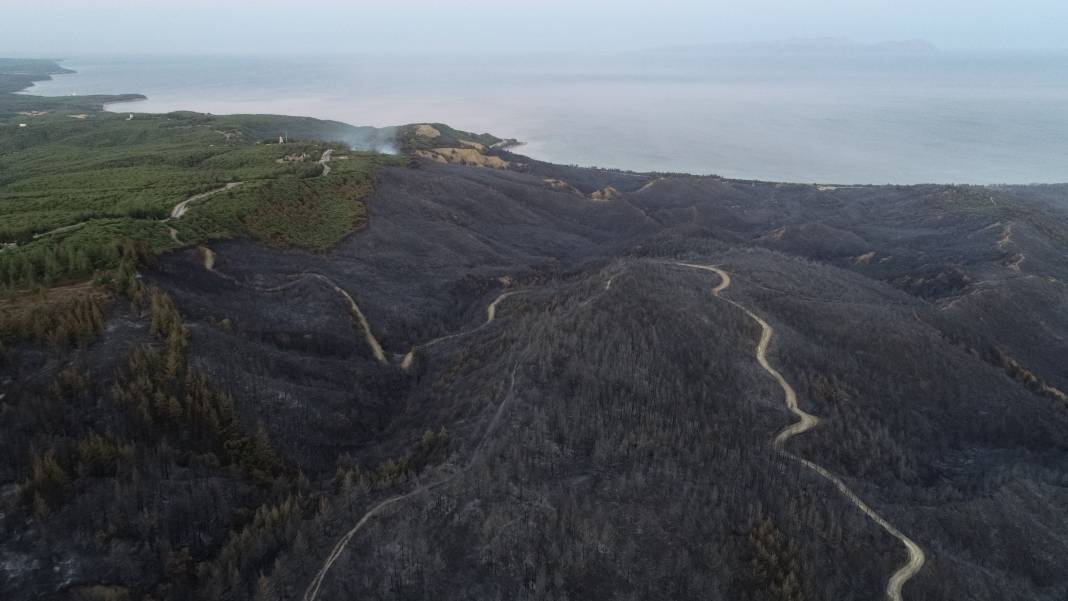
x: 515, y: 383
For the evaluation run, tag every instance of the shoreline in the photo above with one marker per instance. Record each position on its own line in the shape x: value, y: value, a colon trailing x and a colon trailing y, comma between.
x: 100, y: 100
x: 110, y: 103
x: 105, y: 106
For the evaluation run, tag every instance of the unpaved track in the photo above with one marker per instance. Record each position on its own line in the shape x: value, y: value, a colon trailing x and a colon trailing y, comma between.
x: 607, y: 287
x: 60, y: 230
x: 608, y: 283
x: 372, y: 342
x: 181, y: 208
x: 208, y: 260
x: 805, y: 422
x: 491, y: 314
x: 207, y: 257
x: 651, y: 183
x: 327, y: 155
x: 491, y: 310
x: 312, y: 592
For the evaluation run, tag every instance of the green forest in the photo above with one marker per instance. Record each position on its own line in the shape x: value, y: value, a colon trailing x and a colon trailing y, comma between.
x: 73, y: 186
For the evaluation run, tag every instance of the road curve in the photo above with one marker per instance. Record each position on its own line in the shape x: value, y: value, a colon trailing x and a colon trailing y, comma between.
x: 805, y: 422
x: 181, y: 208
x: 491, y: 314
x: 327, y: 155
x: 208, y: 260
x: 491, y: 310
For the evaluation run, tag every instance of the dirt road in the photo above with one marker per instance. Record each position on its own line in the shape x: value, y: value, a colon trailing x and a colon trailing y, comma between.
x: 327, y: 155
x: 60, y: 230
x: 491, y: 314
x: 805, y: 422
x: 312, y: 592
x: 491, y: 310
x: 181, y: 208
x: 651, y: 183
x: 208, y: 257
x: 372, y: 342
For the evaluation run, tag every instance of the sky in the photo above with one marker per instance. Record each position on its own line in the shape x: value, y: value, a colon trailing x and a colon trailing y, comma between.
x: 64, y: 28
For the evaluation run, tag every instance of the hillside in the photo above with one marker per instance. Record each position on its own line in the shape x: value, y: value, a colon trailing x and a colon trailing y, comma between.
x: 467, y: 374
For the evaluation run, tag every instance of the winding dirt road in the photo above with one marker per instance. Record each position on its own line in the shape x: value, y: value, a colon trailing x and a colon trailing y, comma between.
x: 354, y: 309
x: 491, y: 310
x: 805, y: 422
x: 312, y: 592
x: 327, y: 155
x: 181, y: 208
x: 372, y: 342
x: 208, y: 260
x: 491, y: 314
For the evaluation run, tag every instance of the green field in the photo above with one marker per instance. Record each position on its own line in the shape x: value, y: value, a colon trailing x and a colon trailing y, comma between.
x: 74, y: 184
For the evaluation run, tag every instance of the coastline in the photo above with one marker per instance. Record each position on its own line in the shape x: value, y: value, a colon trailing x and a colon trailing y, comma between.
x: 132, y: 98
x: 678, y: 160
x: 88, y: 102
x: 638, y: 119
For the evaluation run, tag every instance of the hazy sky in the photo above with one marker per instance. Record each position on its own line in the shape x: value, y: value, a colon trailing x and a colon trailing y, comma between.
x: 68, y: 27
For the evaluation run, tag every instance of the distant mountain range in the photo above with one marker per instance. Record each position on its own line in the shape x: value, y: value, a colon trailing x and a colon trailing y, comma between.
x: 807, y: 46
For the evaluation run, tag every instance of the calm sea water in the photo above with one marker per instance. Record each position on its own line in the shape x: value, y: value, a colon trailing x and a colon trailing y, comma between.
x: 868, y: 118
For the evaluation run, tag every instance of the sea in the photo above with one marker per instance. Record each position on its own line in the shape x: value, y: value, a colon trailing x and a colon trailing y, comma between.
x: 844, y: 117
